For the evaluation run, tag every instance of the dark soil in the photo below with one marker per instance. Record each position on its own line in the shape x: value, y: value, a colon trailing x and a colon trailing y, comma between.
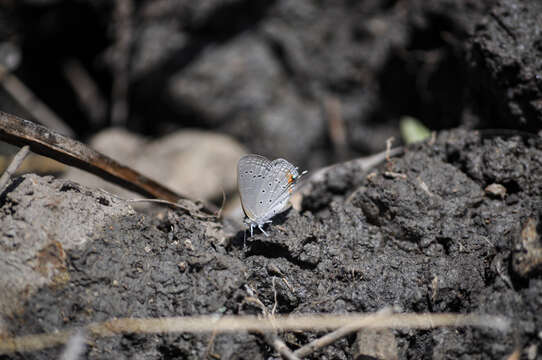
x: 451, y: 225
x: 266, y: 72
x: 430, y: 240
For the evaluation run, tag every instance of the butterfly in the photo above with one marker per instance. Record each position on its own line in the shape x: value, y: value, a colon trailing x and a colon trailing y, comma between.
x: 265, y: 187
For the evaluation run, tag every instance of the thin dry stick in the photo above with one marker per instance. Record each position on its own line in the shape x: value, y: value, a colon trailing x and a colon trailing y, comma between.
x: 336, y: 125
x: 280, y: 347
x: 364, y: 163
x: 325, y: 340
x: 121, y: 61
x: 271, y: 337
x: 389, y: 141
x: 30, y: 102
x: 275, y: 303
x: 516, y: 355
x: 228, y: 324
x: 86, y: 90
x: 210, y: 345
x: 13, y: 166
x: 158, y: 8
x: 331, y: 337
x: 219, y: 212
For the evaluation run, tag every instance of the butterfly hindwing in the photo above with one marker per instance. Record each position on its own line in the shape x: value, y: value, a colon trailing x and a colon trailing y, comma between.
x: 264, y: 186
x: 251, y: 169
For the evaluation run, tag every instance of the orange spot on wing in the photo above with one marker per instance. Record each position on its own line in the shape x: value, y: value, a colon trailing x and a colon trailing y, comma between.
x: 290, y: 178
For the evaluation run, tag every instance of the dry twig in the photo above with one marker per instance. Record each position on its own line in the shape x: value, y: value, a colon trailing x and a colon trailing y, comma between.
x: 280, y: 347
x: 330, y: 338
x: 13, y: 166
x: 272, y: 337
x: 364, y: 163
x: 325, y: 340
x: 43, y: 141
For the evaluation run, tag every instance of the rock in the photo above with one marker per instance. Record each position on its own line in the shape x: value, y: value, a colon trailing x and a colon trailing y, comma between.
x: 251, y: 95
x: 198, y: 164
x: 527, y: 258
x: 374, y: 344
x: 34, y: 244
x: 496, y: 191
x: 506, y: 59
x: 95, y: 258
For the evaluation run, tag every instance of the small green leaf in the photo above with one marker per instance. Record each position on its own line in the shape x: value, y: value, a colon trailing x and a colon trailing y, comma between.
x: 412, y: 130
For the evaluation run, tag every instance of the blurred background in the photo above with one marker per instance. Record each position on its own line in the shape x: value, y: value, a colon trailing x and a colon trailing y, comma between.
x: 180, y: 89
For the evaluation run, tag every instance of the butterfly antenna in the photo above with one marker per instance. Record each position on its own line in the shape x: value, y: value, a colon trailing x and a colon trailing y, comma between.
x: 302, y: 173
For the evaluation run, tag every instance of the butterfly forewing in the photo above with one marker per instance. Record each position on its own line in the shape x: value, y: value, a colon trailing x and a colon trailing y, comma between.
x: 277, y: 189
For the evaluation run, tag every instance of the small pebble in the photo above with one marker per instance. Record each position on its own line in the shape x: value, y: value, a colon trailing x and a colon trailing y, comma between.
x: 496, y: 191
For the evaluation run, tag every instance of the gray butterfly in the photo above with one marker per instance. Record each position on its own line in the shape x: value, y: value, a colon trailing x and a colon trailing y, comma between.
x: 265, y: 187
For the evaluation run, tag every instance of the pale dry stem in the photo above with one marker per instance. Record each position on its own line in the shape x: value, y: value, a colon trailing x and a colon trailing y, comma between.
x: 229, y: 324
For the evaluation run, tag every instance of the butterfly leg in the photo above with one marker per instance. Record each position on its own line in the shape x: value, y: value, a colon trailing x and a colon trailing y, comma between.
x: 262, y: 230
x: 260, y: 226
x: 251, y: 230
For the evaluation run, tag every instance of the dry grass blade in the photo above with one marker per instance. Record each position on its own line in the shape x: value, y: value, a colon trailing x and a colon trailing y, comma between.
x: 332, y: 337
x: 325, y: 340
x: 336, y: 126
x: 87, y: 92
x: 281, y: 347
x: 364, y: 163
x: 75, y: 347
x: 31, y: 103
x: 43, y: 141
x: 121, y: 60
x: 13, y: 166
x: 228, y: 324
